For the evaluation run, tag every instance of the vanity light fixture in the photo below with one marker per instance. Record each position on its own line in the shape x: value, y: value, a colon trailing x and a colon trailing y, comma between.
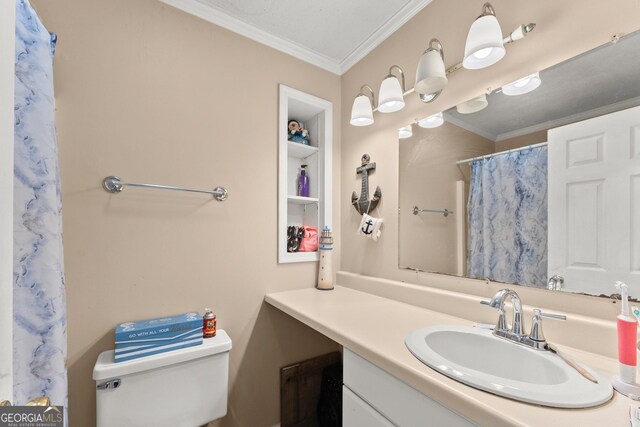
x: 431, y: 76
x: 473, y: 105
x: 405, y: 132
x: 523, y: 85
x: 485, y: 45
x: 362, y: 109
x: 519, y: 33
x: 432, y: 121
x: 391, y: 95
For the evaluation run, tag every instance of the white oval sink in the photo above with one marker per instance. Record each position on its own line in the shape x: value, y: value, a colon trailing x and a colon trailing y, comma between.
x: 476, y: 357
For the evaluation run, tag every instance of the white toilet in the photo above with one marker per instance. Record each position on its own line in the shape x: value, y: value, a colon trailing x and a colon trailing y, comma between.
x: 186, y: 387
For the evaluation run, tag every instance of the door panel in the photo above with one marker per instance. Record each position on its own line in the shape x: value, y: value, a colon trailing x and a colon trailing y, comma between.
x: 585, y: 211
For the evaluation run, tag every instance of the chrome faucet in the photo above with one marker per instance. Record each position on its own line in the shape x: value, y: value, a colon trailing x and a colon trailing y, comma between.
x: 516, y: 332
x: 498, y: 301
x: 535, y: 339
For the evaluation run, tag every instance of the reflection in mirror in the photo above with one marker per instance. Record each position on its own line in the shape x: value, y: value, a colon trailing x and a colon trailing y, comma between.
x: 537, y: 184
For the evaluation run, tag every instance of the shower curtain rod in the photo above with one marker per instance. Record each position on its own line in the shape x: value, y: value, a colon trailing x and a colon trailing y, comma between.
x: 488, y: 156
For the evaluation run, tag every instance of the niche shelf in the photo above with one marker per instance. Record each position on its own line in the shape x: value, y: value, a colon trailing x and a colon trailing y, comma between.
x: 299, y: 200
x: 300, y: 151
x: 315, y: 115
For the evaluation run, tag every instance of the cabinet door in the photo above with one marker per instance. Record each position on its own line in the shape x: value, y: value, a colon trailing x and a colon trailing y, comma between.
x: 396, y: 401
x: 357, y: 413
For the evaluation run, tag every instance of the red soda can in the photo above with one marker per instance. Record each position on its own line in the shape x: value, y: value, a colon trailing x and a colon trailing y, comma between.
x: 209, y: 324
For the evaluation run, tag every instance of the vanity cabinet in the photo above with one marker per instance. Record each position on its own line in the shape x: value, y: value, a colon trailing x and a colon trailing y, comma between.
x: 316, y: 116
x: 375, y: 398
x: 357, y: 413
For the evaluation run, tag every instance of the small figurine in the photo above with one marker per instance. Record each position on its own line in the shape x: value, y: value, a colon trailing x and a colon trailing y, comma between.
x: 297, y: 133
x: 325, y: 269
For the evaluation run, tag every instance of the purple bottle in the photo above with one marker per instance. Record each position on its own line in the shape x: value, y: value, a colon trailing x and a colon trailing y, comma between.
x: 303, y: 182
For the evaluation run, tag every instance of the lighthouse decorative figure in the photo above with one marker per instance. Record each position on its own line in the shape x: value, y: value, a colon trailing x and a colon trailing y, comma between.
x: 325, y: 270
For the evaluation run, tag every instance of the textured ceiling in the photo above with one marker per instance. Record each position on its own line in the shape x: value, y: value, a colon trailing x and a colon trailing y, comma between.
x: 333, y: 34
x: 597, y: 82
x: 334, y: 28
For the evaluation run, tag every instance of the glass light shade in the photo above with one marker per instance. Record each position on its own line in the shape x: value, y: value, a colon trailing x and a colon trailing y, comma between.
x: 473, y: 105
x: 432, y: 121
x: 523, y: 85
x: 390, y: 98
x: 361, y: 111
x: 428, y: 98
x: 405, y: 132
x: 431, y: 76
x: 484, y: 45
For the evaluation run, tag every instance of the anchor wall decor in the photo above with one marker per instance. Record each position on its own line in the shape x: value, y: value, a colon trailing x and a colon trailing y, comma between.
x: 362, y: 204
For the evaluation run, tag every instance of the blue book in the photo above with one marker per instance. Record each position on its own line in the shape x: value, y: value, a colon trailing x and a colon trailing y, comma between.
x: 162, y: 340
x: 157, y: 349
x: 159, y: 342
x: 158, y: 330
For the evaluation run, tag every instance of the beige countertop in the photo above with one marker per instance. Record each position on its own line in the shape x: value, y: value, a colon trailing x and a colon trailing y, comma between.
x: 374, y: 327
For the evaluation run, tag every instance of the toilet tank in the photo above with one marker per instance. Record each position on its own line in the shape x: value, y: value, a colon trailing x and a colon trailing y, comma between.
x: 186, y: 387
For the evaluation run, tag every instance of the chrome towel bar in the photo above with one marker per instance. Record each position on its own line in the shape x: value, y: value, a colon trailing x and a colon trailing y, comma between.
x: 113, y: 184
x: 445, y: 213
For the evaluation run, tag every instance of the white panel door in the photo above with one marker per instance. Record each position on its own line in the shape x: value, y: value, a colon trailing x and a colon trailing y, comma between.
x: 594, y: 203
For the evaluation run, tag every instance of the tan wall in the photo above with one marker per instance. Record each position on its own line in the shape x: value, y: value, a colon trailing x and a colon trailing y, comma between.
x: 428, y: 175
x: 152, y: 94
x: 565, y: 29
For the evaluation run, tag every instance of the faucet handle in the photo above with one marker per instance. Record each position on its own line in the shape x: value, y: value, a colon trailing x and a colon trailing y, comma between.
x: 536, y: 324
x: 553, y: 315
x: 502, y: 321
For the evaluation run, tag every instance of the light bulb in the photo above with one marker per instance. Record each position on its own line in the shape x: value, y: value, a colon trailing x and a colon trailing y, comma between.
x: 432, y: 121
x: 483, y: 53
x: 523, y: 85
x: 405, y: 132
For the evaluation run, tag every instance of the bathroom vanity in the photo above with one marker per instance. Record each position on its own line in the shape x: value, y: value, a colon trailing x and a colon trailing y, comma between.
x: 384, y: 384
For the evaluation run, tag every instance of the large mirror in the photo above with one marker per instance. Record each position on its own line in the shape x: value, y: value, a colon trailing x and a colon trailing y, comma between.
x: 537, y: 183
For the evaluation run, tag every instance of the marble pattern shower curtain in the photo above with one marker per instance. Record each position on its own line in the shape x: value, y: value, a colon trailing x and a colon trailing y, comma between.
x: 40, y: 328
x: 507, y: 220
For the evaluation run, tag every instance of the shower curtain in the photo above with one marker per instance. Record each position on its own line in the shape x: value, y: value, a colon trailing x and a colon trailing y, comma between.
x: 40, y: 326
x: 507, y: 218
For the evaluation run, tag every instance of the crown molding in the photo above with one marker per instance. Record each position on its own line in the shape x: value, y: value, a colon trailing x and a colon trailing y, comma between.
x: 468, y: 126
x: 381, y: 34
x: 215, y: 16
x: 211, y: 14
